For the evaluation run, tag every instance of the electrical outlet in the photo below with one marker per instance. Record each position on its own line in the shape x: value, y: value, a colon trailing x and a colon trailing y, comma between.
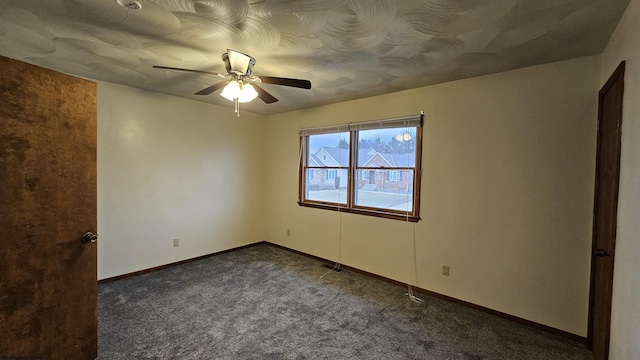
x: 176, y: 242
x: 445, y: 270
x: 288, y: 232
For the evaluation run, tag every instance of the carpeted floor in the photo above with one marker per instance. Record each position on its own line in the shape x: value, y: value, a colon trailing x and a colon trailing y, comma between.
x: 263, y: 302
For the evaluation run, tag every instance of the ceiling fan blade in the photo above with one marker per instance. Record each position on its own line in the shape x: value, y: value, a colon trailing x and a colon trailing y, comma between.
x: 212, y: 88
x: 304, y: 84
x: 189, y: 70
x: 263, y: 95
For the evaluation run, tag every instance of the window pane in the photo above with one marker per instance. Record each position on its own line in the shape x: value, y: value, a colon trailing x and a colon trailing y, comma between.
x: 329, y: 150
x: 380, y: 191
x: 326, y: 185
x: 380, y: 182
x: 394, y: 147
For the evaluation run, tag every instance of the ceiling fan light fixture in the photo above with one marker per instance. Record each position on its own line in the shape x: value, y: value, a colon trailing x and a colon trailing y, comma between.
x: 231, y: 90
x: 236, y: 90
x: 247, y: 93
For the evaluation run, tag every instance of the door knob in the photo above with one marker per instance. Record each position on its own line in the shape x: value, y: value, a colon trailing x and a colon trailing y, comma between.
x: 602, y: 253
x: 89, y: 237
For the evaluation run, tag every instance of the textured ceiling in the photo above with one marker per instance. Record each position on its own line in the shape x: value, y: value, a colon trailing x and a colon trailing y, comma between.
x: 347, y: 49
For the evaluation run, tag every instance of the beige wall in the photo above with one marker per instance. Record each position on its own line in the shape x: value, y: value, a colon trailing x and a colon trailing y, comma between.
x: 625, y: 322
x: 174, y: 168
x: 509, y: 162
x: 507, y: 187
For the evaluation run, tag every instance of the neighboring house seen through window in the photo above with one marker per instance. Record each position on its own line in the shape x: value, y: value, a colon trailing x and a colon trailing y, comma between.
x: 370, y: 168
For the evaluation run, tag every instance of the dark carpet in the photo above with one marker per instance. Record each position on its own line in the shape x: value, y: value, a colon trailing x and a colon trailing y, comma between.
x: 263, y: 302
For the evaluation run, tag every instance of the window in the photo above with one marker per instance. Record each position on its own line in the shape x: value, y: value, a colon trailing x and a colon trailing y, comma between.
x: 370, y: 168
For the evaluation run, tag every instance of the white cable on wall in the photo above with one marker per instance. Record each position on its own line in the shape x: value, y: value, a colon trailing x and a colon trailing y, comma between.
x: 413, y: 297
x: 409, y: 293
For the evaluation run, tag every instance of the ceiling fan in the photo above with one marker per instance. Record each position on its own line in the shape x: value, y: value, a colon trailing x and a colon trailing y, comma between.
x: 242, y: 85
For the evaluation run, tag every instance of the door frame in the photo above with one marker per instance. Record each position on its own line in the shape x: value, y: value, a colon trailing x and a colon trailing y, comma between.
x: 617, y: 75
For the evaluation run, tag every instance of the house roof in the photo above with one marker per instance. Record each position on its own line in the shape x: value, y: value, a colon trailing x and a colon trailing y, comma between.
x: 400, y: 160
x: 364, y: 155
x: 314, y: 161
x: 341, y: 157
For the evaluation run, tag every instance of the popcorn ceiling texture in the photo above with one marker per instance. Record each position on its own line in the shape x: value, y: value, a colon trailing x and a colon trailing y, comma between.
x: 348, y: 49
x: 263, y: 302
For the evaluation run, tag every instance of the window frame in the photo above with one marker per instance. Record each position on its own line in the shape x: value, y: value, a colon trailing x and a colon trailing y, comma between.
x: 352, y: 177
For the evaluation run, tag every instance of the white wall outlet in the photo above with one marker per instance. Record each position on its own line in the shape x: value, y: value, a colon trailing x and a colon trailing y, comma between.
x: 445, y: 270
x: 176, y: 242
x: 288, y: 232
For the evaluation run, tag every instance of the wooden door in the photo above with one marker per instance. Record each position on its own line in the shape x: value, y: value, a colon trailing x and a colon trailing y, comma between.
x: 48, y: 281
x: 605, y: 212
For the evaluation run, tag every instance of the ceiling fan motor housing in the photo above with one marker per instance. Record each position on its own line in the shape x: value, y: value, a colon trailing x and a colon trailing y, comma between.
x: 238, y: 63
